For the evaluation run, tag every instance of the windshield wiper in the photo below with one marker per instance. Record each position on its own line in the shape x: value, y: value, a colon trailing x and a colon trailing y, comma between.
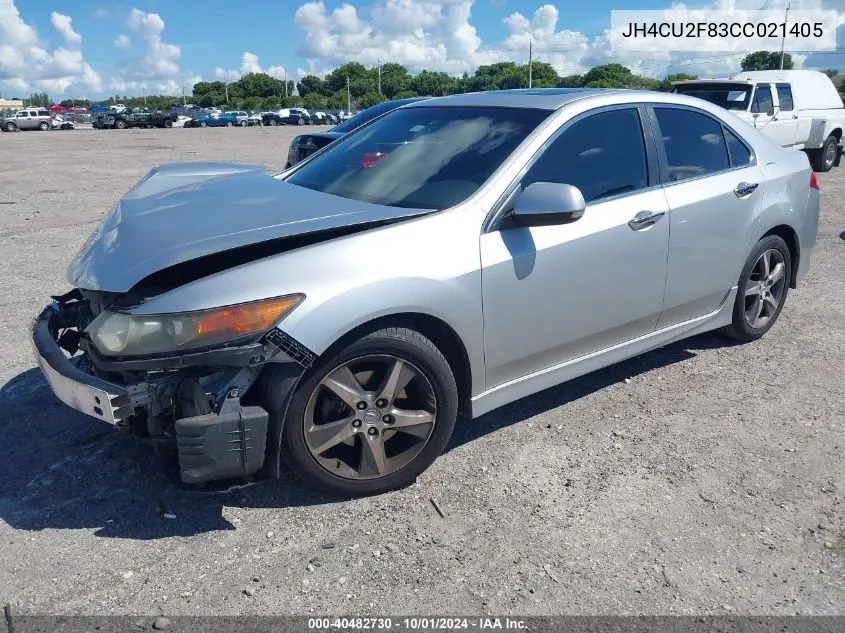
x: 611, y: 192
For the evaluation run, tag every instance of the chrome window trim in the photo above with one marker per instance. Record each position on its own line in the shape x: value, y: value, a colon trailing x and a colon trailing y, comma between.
x: 658, y: 137
x: 499, y: 207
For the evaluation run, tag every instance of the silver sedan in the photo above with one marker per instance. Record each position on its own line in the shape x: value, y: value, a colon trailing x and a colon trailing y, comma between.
x: 450, y: 257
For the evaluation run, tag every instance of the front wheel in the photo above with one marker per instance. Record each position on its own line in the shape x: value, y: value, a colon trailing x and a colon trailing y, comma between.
x: 763, y: 286
x: 243, y: 123
x: 11, y: 127
x: 228, y: 124
x: 203, y: 124
x: 372, y: 416
x: 273, y: 122
x: 119, y: 125
x: 168, y: 123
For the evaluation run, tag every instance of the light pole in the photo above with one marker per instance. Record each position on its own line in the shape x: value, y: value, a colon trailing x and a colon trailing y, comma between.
x: 783, y: 40
x: 379, y: 76
x: 348, y: 98
x: 530, y: 61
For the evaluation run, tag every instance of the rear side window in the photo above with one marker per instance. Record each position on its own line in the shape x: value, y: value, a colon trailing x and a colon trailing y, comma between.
x: 740, y: 155
x: 603, y: 155
x: 693, y: 141
x: 43, y: 113
x: 763, y: 100
x: 785, y: 97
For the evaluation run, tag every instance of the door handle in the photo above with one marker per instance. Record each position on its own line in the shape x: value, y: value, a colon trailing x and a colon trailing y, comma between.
x: 745, y: 189
x: 645, y: 219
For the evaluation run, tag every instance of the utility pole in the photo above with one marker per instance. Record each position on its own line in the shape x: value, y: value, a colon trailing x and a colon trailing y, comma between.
x: 783, y: 40
x: 183, y: 95
x: 348, y: 98
x: 226, y: 86
x: 379, y: 76
x: 530, y: 61
x: 144, y: 88
x: 286, y: 83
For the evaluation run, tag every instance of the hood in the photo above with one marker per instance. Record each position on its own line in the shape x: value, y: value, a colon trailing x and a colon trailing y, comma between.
x: 185, y: 211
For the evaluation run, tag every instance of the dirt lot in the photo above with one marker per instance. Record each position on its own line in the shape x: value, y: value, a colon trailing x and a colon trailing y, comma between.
x: 700, y: 478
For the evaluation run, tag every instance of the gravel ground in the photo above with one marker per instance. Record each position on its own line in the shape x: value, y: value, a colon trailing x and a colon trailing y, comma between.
x: 703, y: 477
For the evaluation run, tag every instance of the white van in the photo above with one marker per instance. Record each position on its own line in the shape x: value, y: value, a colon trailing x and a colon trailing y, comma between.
x: 800, y: 109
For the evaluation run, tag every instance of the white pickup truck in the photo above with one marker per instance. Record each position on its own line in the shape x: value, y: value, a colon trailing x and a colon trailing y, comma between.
x: 800, y: 109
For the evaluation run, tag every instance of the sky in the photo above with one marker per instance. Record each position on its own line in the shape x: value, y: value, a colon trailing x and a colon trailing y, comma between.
x: 96, y: 48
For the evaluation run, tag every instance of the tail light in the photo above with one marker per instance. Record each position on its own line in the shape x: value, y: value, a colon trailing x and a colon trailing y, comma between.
x: 371, y: 159
x: 814, y: 183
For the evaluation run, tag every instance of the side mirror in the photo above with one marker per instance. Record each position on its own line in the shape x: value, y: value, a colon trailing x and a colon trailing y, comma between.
x: 547, y: 204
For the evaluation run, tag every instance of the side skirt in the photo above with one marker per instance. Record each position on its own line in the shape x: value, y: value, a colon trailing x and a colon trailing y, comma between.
x: 557, y: 374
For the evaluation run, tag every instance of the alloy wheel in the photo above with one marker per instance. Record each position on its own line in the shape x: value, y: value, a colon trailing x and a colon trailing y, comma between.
x: 830, y: 155
x: 765, y: 288
x: 370, y: 417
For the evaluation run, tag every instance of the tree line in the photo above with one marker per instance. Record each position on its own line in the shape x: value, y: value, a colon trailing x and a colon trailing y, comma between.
x: 353, y: 86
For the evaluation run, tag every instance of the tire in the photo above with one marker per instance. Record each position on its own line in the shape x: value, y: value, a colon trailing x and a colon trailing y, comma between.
x: 300, y: 121
x: 273, y: 122
x: 44, y: 126
x: 747, y: 300
x: 228, y: 124
x: 431, y: 376
x: 243, y: 123
x: 119, y: 124
x: 11, y: 127
x: 168, y: 123
x: 203, y: 124
x: 824, y: 158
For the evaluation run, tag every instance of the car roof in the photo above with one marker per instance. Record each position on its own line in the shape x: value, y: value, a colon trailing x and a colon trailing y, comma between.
x: 536, y: 98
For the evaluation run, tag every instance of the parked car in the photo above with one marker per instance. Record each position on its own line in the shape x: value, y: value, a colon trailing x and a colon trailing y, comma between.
x: 248, y: 316
x: 28, y: 119
x: 60, y: 123
x: 214, y: 120
x: 301, y: 147
x: 800, y: 109
x: 135, y: 117
x: 291, y: 118
x: 182, y: 121
x: 323, y: 118
x: 240, y: 116
x: 255, y: 119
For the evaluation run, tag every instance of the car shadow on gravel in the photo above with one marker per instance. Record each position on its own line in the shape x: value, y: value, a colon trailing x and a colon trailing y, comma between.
x: 60, y: 469
x: 562, y: 394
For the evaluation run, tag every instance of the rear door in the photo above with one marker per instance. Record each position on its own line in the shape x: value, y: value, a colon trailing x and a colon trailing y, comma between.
x: 714, y: 188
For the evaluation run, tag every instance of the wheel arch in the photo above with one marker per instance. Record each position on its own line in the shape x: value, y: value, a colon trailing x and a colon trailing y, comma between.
x: 433, y: 328
x: 837, y: 132
x: 790, y: 236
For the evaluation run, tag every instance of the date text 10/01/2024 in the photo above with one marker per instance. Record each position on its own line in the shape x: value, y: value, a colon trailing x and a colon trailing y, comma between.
x: 416, y: 623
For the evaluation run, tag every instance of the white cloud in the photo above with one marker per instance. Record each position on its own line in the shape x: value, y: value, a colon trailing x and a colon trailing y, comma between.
x: 64, y: 25
x: 122, y: 41
x: 440, y: 35
x: 249, y: 64
x: 160, y: 64
x: 26, y: 64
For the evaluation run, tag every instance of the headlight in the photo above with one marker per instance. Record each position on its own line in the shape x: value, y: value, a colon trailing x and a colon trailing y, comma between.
x: 121, y: 334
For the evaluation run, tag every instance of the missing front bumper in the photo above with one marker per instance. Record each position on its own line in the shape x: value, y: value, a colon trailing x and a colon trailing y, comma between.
x: 76, y: 388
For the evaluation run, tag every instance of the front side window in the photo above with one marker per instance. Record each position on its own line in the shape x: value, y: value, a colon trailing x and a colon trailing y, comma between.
x: 603, y: 155
x: 22, y: 115
x: 427, y: 158
x: 693, y: 142
x: 785, y: 97
x: 763, y: 100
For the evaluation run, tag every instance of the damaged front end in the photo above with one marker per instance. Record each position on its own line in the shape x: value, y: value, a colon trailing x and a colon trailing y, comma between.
x: 194, y: 399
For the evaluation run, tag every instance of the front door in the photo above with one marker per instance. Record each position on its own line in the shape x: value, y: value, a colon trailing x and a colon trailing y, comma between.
x: 555, y: 293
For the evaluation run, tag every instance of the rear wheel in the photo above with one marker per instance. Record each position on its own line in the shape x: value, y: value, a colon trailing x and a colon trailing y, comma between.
x: 228, y: 124
x: 763, y: 286
x: 243, y: 123
x: 119, y: 124
x: 203, y: 124
x: 373, y: 416
x: 168, y: 123
x: 824, y: 158
x: 273, y: 122
x: 44, y: 126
